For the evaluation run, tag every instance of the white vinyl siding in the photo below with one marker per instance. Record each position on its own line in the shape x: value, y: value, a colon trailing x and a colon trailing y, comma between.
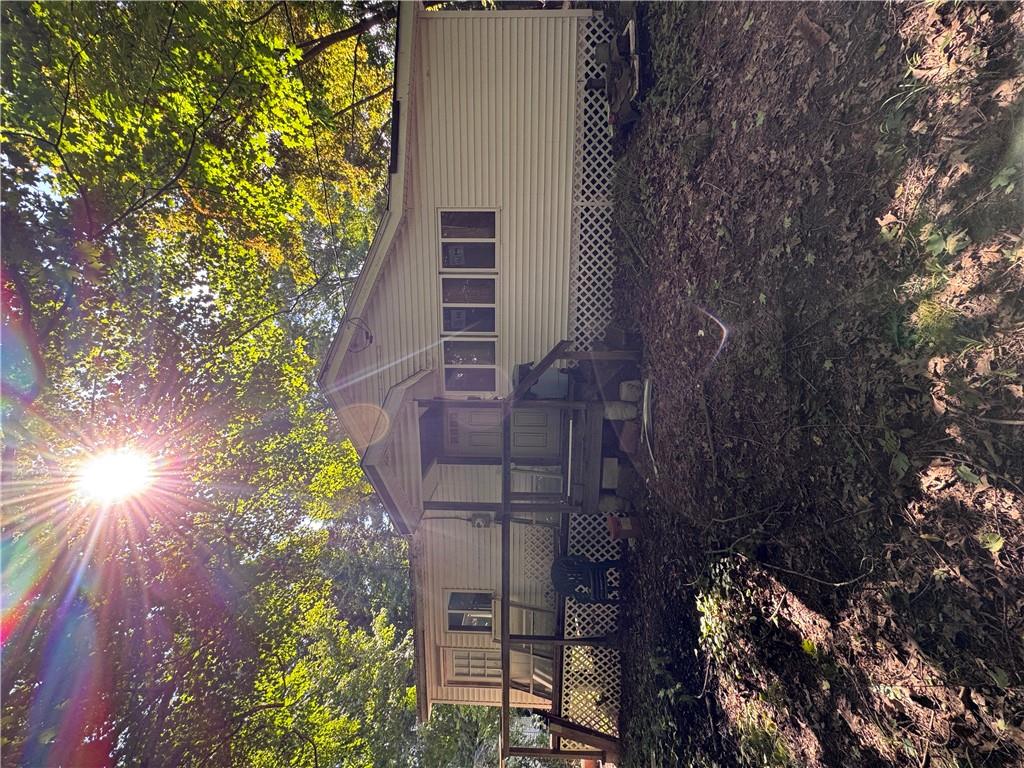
x: 491, y: 128
x: 452, y: 555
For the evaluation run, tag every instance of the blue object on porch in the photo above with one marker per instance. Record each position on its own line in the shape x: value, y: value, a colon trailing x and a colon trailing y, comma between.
x: 583, y: 580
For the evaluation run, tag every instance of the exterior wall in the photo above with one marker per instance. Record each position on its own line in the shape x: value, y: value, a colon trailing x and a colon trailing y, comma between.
x: 492, y: 126
x: 457, y: 482
x: 493, y: 121
x: 452, y: 555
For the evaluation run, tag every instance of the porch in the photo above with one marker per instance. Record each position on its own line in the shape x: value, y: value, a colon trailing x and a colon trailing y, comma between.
x: 558, y: 650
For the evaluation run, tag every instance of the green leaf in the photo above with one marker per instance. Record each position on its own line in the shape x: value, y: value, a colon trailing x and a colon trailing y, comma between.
x: 899, y: 465
x: 1000, y: 677
x: 991, y: 541
x: 935, y: 243
x: 956, y: 242
x: 964, y: 473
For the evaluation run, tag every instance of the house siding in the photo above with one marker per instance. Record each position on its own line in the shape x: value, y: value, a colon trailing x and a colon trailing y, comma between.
x: 492, y: 126
x: 453, y: 555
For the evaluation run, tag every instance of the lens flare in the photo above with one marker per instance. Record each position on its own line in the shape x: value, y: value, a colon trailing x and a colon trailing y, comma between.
x: 114, y: 476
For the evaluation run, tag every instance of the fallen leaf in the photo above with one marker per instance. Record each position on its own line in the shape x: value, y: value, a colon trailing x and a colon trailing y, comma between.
x: 984, y: 365
x: 991, y: 541
x: 811, y: 32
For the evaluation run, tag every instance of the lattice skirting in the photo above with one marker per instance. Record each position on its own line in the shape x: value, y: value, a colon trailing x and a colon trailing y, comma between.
x: 593, y: 262
x: 591, y: 678
x: 590, y: 690
x: 538, y: 543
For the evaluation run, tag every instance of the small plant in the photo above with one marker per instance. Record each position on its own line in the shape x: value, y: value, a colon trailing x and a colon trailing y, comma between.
x: 933, y: 323
x: 716, y: 614
x: 759, y: 741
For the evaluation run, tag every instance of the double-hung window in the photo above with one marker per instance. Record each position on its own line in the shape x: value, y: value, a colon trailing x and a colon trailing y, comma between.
x: 469, y: 320
x: 470, y: 612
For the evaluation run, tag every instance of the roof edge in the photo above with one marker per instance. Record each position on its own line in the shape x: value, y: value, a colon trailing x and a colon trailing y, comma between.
x: 392, y: 218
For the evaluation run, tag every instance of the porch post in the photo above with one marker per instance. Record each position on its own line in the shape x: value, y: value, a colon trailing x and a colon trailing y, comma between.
x: 506, y: 581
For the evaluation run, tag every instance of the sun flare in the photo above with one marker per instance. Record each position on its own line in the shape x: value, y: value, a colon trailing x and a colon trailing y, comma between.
x: 114, y: 476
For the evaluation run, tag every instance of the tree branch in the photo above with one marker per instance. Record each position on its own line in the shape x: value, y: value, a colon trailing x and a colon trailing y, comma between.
x: 273, y: 7
x: 313, y: 48
x: 283, y: 311
x: 64, y: 164
x: 144, y: 200
x: 364, y: 100
x: 309, y: 740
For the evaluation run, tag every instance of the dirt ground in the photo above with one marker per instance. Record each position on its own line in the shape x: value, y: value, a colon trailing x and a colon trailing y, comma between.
x: 820, y: 231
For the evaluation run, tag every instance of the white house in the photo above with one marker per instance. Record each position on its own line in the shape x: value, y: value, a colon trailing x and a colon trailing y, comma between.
x: 494, y: 253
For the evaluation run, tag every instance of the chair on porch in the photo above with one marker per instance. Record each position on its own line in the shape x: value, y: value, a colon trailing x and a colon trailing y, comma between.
x: 584, y: 580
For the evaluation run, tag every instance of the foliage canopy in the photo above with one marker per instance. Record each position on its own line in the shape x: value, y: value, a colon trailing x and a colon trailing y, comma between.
x: 189, y: 190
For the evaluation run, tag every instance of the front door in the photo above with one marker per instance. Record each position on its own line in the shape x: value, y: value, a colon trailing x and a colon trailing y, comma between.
x: 476, y: 432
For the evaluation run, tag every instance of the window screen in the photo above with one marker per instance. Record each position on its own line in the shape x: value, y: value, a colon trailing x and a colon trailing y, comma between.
x: 467, y: 224
x: 467, y: 290
x: 467, y: 255
x: 468, y: 319
x: 469, y: 379
x: 469, y: 612
x: 473, y: 352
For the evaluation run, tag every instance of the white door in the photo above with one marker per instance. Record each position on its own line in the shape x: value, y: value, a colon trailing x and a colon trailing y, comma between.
x: 536, y: 432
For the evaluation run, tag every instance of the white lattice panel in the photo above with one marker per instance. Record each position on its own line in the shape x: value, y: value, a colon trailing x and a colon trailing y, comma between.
x: 588, y: 536
x: 591, y: 678
x: 593, y: 262
x: 538, y: 542
x: 590, y: 689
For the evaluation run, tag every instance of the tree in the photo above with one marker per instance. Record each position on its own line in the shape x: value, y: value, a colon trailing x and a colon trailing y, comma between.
x: 184, y: 210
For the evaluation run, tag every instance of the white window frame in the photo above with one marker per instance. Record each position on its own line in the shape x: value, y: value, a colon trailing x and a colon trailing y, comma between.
x: 440, y: 241
x: 469, y: 273
x: 491, y: 661
x: 481, y: 632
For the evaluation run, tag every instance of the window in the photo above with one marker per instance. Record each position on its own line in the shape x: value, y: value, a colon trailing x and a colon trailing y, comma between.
x: 469, y: 352
x: 468, y: 319
x: 468, y: 240
x: 470, y: 379
x: 467, y: 256
x: 473, y: 665
x: 469, y: 612
x: 469, y: 365
x: 467, y: 224
x: 469, y: 291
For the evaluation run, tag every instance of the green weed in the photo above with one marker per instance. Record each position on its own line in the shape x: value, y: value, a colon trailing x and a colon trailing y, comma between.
x: 759, y: 741
x: 934, y: 323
